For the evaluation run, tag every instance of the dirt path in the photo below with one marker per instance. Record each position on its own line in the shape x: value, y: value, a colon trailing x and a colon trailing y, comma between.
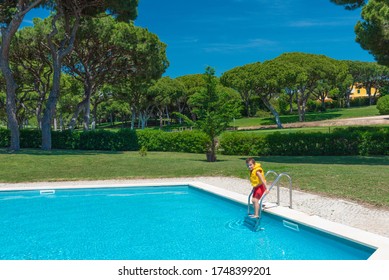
x: 337, y: 122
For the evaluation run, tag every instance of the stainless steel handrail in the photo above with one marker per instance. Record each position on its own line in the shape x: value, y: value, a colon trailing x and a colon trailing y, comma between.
x: 278, y: 192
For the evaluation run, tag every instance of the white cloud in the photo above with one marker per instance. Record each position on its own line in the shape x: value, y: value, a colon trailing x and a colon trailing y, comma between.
x: 232, y: 47
x: 26, y: 21
x: 315, y: 23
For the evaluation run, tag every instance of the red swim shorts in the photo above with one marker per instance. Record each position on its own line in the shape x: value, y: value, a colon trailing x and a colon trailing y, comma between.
x: 259, y: 191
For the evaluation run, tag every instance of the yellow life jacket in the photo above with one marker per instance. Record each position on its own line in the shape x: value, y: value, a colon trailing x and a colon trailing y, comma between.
x: 254, y: 179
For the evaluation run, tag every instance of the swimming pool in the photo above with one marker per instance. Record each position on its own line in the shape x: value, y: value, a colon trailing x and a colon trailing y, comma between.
x: 180, y: 222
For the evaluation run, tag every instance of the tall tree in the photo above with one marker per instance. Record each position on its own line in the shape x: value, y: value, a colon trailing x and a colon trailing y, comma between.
x: 165, y: 92
x: 372, y: 32
x: 12, y: 14
x: 311, y: 69
x: 99, y: 57
x: 237, y: 78
x: 263, y: 80
x: 331, y: 81
x: 215, y: 107
x: 31, y: 60
x: 193, y: 83
x: 70, y: 13
x: 372, y: 77
x: 147, y: 61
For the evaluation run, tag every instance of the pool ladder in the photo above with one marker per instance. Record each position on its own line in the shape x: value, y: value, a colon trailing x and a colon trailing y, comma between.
x: 254, y: 223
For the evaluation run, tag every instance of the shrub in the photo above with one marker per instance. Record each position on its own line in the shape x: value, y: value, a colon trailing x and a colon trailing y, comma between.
x: 30, y: 138
x: 342, y: 141
x: 186, y: 141
x: 374, y: 143
x: 383, y: 105
x: 66, y: 139
x: 349, y: 141
x: 242, y: 143
x: 126, y: 140
x: 5, y: 137
x: 97, y: 140
x: 360, y: 101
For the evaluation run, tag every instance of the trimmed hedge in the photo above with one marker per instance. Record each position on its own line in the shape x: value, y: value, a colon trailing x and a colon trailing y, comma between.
x: 349, y: 141
x: 344, y: 141
x: 5, y: 137
x: 122, y: 140
x: 30, y: 138
x: 66, y: 140
x: 184, y: 141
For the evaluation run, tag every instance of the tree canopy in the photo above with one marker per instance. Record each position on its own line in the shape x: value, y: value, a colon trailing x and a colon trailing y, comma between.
x: 372, y: 32
x: 350, y: 4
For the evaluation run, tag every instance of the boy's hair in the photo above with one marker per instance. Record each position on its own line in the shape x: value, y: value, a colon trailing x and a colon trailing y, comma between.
x: 250, y: 159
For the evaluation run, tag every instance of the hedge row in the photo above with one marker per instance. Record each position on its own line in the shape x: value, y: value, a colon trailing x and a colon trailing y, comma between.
x: 348, y: 141
x: 122, y: 140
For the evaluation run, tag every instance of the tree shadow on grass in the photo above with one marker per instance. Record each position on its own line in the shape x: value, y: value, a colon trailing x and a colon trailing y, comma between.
x: 344, y: 160
x: 55, y: 152
x: 310, y: 117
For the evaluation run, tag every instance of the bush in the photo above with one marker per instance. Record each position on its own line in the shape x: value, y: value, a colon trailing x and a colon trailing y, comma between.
x: 349, y: 141
x: 95, y: 140
x: 242, y: 143
x: 65, y: 140
x: 360, y: 101
x: 30, y: 138
x: 342, y: 141
x: 186, y: 141
x: 374, y: 143
x: 5, y: 137
x: 383, y: 105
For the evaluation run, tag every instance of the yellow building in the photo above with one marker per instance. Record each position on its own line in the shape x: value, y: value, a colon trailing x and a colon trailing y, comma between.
x: 361, y: 92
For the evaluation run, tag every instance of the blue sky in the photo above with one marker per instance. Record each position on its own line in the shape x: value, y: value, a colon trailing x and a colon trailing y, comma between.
x: 224, y: 34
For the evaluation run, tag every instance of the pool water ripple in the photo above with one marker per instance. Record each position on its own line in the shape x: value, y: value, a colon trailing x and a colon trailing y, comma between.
x: 236, y: 225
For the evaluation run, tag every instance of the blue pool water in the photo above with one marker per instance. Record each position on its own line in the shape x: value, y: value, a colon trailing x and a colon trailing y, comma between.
x: 151, y: 223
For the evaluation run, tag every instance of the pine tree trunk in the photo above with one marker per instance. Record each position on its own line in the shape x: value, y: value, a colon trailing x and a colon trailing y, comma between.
x: 13, y: 125
x: 50, y: 108
x: 273, y: 111
x: 57, y: 54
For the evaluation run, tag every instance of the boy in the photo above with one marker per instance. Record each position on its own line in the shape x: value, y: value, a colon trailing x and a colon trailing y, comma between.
x: 258, y: 181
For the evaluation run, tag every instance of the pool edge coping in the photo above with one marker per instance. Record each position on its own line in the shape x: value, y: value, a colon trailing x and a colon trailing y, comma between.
x: 378, y: 242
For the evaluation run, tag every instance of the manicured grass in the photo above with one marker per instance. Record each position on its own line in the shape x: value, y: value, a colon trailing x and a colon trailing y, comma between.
x: 322, y: 129
x: 309, y: 117
x: 362, y: 179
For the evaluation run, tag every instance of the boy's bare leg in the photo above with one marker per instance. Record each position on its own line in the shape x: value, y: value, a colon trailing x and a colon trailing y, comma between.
x: 256, y: 207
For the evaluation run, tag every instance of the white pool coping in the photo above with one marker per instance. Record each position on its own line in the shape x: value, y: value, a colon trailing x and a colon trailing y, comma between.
x: 379, y: 243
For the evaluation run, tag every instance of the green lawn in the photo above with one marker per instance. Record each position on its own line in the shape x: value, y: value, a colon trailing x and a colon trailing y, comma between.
x: 362, y: 179
x: 328, y: 115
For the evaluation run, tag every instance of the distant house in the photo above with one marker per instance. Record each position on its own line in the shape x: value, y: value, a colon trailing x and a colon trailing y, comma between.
x: 358, y: 91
